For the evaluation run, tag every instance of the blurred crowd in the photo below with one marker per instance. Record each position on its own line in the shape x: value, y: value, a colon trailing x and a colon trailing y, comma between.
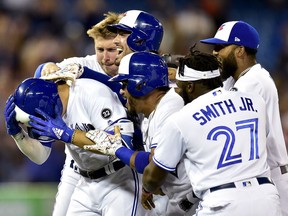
x: 37, y: 31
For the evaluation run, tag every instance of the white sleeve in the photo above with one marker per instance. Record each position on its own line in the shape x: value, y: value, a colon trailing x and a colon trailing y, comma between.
x: 87, y: 61
x: 32, y: 148
x: 170, y: 147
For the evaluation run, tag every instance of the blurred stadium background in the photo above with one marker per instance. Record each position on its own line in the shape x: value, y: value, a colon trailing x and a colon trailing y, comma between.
x: 36, y: 31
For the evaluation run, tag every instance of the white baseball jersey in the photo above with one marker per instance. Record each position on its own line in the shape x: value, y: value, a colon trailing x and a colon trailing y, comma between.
x: 70, y: 176
x: 176, y: 188
x: 222, y: 137
x: 89, y: 61
x: 91, y: 105
x: 259, y: 81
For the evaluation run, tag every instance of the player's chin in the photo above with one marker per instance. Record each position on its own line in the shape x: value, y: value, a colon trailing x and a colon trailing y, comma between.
x: 129, y: 107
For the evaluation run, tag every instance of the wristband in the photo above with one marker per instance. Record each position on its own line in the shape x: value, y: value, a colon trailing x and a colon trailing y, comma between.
x: 141, y: 161
x: 124, y: 154
x: 69, y: 135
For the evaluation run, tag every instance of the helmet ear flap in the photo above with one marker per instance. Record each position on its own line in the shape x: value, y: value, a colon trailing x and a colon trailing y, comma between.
x: 137, y: 41
x: 136, y: 86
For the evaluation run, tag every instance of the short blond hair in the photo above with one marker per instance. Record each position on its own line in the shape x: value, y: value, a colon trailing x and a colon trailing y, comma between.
x: 100, y: 30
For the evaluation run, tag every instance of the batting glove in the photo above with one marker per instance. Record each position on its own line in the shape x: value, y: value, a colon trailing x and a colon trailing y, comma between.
x: 54, y: 128
x: 12, y: 125
x: 104, y: 142
x: 69, y: 73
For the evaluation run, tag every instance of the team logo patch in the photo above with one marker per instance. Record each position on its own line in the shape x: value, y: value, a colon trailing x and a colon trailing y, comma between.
x: 106, y: 113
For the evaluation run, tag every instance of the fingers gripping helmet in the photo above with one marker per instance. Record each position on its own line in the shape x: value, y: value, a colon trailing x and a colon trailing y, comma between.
x: 35, y: 93
x: 144, y: 72
x: 146, y: 30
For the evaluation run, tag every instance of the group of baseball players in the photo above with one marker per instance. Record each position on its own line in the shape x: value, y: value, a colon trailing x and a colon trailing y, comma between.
x: 137, y: 144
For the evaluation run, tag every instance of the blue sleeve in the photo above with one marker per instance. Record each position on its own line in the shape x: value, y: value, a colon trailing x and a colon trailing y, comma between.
x: 141, y: 159
x: 100, y: 77
x: 37, y: 73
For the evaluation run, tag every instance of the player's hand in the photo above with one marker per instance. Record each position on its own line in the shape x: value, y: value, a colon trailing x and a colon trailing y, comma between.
x: 69, y: 73
x: 49, y: 68
x: 12, y: 125
x: 104, y: 142
x: 147, y: 200
x: 54, y: 128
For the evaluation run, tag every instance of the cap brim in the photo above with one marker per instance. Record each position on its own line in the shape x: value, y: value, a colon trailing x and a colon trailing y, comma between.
x: 114, y: 27
x: 213, y: 41
x: 119, y: 78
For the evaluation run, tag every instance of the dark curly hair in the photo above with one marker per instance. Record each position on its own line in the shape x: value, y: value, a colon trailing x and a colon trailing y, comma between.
x: 202, y: 62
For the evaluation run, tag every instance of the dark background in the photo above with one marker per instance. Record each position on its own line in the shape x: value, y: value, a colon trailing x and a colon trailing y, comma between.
x: 36, y: 31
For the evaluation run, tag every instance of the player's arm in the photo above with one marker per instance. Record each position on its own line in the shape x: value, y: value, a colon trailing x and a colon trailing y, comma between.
x: 112, y: 144
x: 73, y: 71
x: 32, y: 148
x: 153, y: 178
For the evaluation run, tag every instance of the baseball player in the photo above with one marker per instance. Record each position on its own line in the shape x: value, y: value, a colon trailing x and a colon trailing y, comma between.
x: 141, y: 28
x: 236, y: 44
x: 102, y: 177
x: 145, y: 77
x: 221, y: 136
x: 104, y: 59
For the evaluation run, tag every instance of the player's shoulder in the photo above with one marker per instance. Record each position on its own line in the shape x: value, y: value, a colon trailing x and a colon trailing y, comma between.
x: 171, y: 100
x: 87, y: 61
x: 256, y: 75
x: 91, y: 85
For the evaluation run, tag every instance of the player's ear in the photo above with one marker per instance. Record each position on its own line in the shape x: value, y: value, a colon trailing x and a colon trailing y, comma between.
x: 190, y: 87
x: 240, y: 50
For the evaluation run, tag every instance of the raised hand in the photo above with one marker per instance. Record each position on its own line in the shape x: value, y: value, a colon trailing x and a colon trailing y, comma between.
x: 69, y: 73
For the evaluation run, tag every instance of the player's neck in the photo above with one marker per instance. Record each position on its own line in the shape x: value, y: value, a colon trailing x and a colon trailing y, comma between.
x: 244, y: 68
x: 153, y: 101
x: 63, y: 91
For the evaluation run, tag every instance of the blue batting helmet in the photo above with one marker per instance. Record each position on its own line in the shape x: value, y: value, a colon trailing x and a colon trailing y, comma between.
x: 35, y: 93
x: 144, y: 72
x: 146, y: 30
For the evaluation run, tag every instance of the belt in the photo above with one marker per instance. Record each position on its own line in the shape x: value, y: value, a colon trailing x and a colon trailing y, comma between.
x: 185, y: 204
x: 284, y: 169
x: 261, y: 180
x: 104, y: 171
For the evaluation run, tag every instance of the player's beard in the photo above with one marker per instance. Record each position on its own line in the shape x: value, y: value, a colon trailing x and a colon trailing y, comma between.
x: 185, y: 96
x: 229, y: 66
x: 131, y: 105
